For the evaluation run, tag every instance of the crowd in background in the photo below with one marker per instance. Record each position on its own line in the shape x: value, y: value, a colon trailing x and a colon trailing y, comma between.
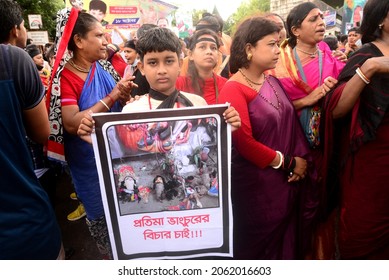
x: 308, y: 110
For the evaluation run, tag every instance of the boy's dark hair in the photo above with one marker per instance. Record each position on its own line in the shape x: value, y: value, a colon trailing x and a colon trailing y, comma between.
x: 10, y: 15
x: 98, y: 5
x: 158, y: 40
x: 144, y: 28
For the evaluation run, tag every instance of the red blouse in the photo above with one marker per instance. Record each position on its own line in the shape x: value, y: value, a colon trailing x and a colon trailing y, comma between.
x: 184, y: 83
x: 239, y: 96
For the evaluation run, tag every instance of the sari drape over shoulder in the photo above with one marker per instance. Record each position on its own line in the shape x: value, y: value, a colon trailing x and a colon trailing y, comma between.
x: 296, y: 88
x: 358, y: 160
x: 272, y: 218
x: 66, y: 20
x: 290, y: 78
x: 79, y: 154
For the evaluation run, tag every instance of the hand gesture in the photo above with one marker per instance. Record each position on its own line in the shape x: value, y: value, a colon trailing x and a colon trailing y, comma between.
x: 321, y: 91
x: 123, y: 89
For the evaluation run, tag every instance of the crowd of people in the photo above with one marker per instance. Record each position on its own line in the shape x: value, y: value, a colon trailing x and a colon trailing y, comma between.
x: 308, y: 114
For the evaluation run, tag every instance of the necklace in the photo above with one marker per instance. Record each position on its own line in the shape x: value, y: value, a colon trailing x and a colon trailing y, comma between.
x: 78, y: 68
x: 250, y: 82
x: 312, y: 55
x: 275, y: 93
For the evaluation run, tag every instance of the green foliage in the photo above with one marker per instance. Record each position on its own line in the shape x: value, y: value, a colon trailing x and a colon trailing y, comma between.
x: 246, y: 9
x: 197, y: 15
x: 46, y: 8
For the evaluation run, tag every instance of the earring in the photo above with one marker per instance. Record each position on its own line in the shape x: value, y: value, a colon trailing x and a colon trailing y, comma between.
x: 249, y: 56
x: 380, y: 25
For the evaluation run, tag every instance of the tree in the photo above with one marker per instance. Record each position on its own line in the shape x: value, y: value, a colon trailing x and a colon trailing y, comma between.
x: 197, y: 15
x: 46, y: 8
x: 246, y: 9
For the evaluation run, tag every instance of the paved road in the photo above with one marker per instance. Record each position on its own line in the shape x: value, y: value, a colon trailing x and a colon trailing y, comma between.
x: 75, y: 234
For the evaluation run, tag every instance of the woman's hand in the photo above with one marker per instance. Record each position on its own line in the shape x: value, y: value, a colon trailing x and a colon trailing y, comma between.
x: 86, y: 127
x: 319, y: 92
x: 339, y: 55
x: 300, y: 170
x: 232, y: 117
x: 328, y: 84
x: 123, y: 89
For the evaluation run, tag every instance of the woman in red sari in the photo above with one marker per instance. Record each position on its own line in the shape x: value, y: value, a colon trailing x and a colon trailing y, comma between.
x: 357, y: 126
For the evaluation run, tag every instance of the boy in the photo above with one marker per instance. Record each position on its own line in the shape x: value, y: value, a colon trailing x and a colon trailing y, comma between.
x: 159, y: 50
x: 98, y: 9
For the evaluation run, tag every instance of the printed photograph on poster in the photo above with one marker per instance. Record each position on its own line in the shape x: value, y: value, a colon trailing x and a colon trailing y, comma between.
x: 164, y: 178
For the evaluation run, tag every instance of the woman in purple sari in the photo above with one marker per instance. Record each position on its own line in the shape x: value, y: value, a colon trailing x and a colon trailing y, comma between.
x: 83, y: 82
x: 273, y: 199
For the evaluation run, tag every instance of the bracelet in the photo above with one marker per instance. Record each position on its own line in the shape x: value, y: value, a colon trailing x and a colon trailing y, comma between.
x: 281, y: 160
x: 288, y: 161
x: 110, y: 98
x: 362, y: 76
x: 105, y: 104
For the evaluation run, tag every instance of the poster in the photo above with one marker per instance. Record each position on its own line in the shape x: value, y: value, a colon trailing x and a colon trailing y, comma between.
x: 126, y: 14
x: 330, y: 18
x: 352, y: 15
x: 35, y: 21
x: 164, y: 178
x: 38, y: 37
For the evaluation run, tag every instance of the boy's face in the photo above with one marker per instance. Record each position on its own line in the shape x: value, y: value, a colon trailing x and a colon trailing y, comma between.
x: 161, y: 70
x: 97, y: 14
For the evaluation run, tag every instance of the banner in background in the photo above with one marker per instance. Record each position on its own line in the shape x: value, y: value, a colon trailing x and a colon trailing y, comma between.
x: 352, y: 14
x: 330, y: 18
x: 127, y: 14
x: 35, y: 21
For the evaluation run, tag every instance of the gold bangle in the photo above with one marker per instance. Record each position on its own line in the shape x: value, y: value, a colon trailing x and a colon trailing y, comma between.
x: 105, y: 104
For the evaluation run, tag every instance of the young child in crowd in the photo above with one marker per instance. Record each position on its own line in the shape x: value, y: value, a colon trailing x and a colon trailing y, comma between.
x: 159, y: 53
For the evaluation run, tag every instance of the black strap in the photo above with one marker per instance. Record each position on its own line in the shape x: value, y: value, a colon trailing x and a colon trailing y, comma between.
x: 170, y: 100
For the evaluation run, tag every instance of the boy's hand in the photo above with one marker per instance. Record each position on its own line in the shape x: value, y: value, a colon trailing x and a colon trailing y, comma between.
x: 132, y: 99
x: 232, y: 117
